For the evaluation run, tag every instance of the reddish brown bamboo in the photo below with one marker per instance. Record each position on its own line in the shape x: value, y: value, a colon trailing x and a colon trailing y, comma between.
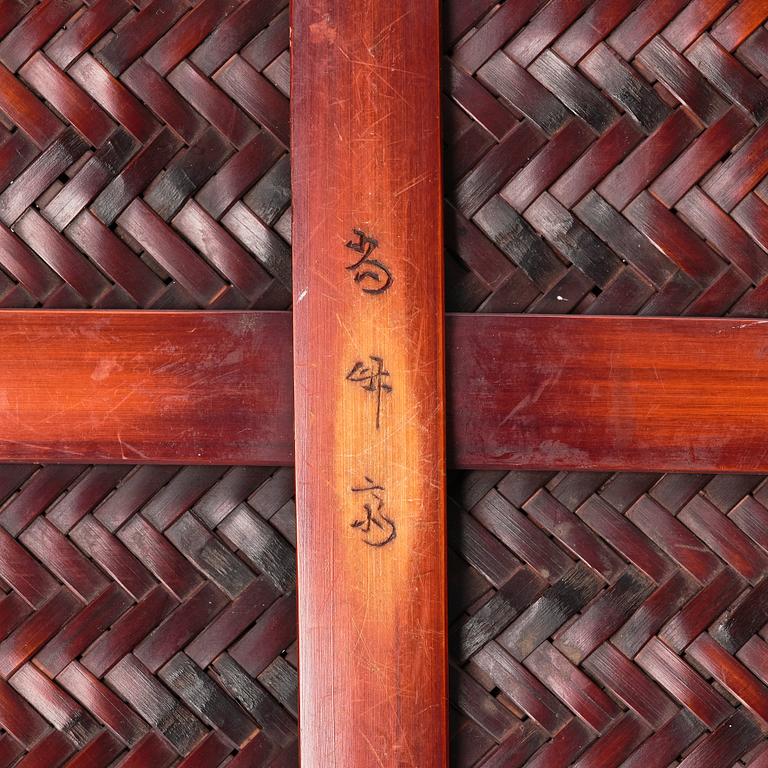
x: 145, y: 387
x: 608, y: 393
x: 524, y: 391
x: 368, y: 352
x: 602, y: 157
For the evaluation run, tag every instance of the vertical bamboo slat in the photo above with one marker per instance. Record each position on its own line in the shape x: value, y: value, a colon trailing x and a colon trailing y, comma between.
x: 369, y: 393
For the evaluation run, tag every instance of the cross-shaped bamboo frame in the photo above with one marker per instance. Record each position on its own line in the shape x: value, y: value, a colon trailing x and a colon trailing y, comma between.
x: 367, y: 368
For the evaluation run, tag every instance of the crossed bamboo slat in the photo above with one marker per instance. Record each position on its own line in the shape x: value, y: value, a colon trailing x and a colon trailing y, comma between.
x: 604, y: 158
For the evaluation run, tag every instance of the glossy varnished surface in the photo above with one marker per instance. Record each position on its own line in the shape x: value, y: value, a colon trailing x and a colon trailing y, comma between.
x: 372, y: 605
x: 523, y: 391
x: 144, y: 164
x: 599, y: 393
x: 146, y: 387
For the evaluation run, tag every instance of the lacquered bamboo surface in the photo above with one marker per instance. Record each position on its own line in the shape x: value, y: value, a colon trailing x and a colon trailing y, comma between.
x: 524, y: 391
x: 608, y: 393
x: 369, y: 383
x: 145, y: 387
x: 601, y: 157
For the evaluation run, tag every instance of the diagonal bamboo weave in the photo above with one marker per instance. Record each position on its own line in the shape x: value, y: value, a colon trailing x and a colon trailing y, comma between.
x: 603, y: 157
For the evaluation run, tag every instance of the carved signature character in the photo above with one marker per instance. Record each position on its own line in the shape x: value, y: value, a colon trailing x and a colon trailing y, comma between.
x: 368, y: 271
x: 377, y: 527
x: 373, y: 378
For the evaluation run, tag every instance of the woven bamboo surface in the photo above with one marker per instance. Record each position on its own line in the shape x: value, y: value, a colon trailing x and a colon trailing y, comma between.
x: 604, y: 157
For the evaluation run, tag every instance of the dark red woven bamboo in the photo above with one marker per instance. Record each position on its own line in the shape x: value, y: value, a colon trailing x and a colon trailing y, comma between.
x: 602, y: 157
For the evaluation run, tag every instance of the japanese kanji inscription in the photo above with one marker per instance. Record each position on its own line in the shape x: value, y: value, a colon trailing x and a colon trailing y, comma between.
x: 373, y: 275
x: 377, y: 527
x: 368, y: 382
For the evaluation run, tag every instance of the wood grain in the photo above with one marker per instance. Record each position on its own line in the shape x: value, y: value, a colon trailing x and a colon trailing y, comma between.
x: 660, y: 394
x: 532, y: 392
x: 144, y: 164
x: 600, y: 393
x: 147, y: 387
x: 369, y: 383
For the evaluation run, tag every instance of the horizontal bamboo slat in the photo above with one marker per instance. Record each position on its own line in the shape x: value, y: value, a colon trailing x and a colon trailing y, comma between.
x: 685, y: 394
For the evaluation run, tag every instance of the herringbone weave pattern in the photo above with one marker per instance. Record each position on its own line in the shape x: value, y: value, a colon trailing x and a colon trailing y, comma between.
x: 603, y: 157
